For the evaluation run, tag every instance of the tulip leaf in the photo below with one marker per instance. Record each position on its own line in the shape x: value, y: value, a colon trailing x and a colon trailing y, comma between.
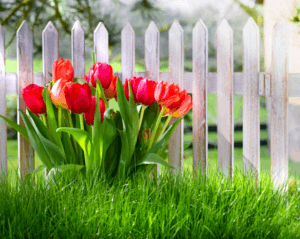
x: 83, y: 139
x: 56, y: 155
x: 109, y: 132
x: 97, y: 129
x: 22, y: 130
x: 102, y: 95
x: 39, y: 168
x: 36, y: 142
x: 52, y: 119
x: 164, y: 139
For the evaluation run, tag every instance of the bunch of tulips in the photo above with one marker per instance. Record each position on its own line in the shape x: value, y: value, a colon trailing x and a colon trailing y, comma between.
x: 72, y: 131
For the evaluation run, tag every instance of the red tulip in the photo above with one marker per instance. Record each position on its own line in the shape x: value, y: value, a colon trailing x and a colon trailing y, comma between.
x: 90, y: 114
x: 62, y: 70
x: 177, y: 103
x: 145, y: 92
x: 103, y: 72
x: 134, y: 82
x: 78, y: 97
x: 33, y: 98
x: 57, y: 93
x: 111, y: 91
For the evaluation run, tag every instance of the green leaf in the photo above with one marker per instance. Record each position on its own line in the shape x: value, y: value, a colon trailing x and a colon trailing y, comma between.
x: 83, y: 139
x: 50, y: 74
x: 52, y: 119
x: 56, y: 155
x: 22, y: 130
x: 109, y: 133
x: 152, y: 158
x: 164, y: 139
x: 36, y: 142
x: 39, y: 168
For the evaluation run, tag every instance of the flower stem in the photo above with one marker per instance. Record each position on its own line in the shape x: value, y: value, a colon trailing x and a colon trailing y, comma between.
x: 72, y: 126
x: 165, y: 126
x: 81, y: 121
x: 155, y: 129
x: 142, y: 115
x: 43, y: 116
x: 59, y: 118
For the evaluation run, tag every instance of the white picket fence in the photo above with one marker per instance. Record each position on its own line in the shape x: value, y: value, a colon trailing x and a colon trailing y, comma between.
x: 251, y: 83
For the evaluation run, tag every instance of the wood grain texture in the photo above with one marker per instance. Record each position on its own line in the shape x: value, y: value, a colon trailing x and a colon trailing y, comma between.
x: 225, y: 99
x: 251, y: 100
x: 152, y: 62
x: 128, y: 52
x: 261, y: 87
x: 101, y: 43
x: 268, y: 85
x: 78, y: 61
x: 279, y: 121
x: 176, y: 69
x: 200, y: 74
x: 25, y: 78
x: 3, y: 126
x: 50, y: 54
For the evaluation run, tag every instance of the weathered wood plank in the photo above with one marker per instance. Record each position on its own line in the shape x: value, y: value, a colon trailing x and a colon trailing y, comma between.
x: 176, y: 69
x: 225, y: 99
x: 101, y: 43
x: 200, y: 74
x: 25, y: 78
x: 268, y: 85
x: 279, y: 121
x: 78, y: 61
x: 261, y: 87
x: 50, y: 54
x: 3, y: 126
x: 128, y: 52
x: 152, y: 61
x: 251, y: 100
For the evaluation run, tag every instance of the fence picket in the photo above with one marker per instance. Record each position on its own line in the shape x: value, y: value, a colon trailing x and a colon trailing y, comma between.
x: 50, y: 54
x: 128, y: 52
x: 200, y: 73
x: 78, y: 50
x: 25, y: 78
x: 176, y: 69
x: 152, y: 60
x: 101, y: 43
x: 225, y: 98
x: 251, y: 100
x: 279, y: 123
x: 3, y: 127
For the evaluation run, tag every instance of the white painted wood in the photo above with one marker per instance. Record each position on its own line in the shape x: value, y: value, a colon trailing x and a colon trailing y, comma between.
x: 251, y: 100
x: 176, y: 69
x: 128, y: 52
x: 50, y: 54
x: 268, y: 85
x: 78, y: 61
x: 101, y: 43
x: 3, y: 126
x: 279, y: 120
x: 25, y: 78
x: 152, y: 61
x: 200, y: 75
x: 261, y: 87
x: 225, y: 99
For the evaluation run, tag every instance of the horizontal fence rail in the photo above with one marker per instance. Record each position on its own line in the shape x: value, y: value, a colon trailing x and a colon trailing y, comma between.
x: 278, y: 84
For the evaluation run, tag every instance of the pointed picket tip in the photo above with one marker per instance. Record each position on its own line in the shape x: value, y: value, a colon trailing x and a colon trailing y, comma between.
x: 150, y: 36
x: 127, y: 27
x: 77, y: 25
x: 23, y: 27
x: 280, y: 24
x: 224, y: 29
x: 200, y: 26
x: 151, y: 28
x: 176, y: 27
x: 1, y: 28
x: 50, y: 27
x: 100, y: 28
x: 250, y: 24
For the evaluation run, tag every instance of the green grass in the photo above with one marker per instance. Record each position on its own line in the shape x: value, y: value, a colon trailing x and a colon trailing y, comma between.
x: 213, y: 207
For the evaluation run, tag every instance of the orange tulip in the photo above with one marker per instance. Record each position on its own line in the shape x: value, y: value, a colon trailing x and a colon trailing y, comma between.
x: 185, y: 106
x: 62, y: 69
x: 57, y: 94
x: 111, y: 91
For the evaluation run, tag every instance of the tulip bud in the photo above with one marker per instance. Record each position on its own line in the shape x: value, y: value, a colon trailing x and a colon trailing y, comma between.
x: 103, y: 72
x: 33, y: 98
x: 62, y: 70
x: 90, y: 114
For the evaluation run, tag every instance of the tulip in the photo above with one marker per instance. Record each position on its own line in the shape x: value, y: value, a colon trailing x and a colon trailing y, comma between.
x: 145, y: 92
x: 78, y: 97
x: 103, y: 72
x: 90, y: 114
x: 62, y: 70
x: 185, y: 106
x: 57, y: 93
x: 111, y: 91
x: 134, y: 82
x: 33, y: 98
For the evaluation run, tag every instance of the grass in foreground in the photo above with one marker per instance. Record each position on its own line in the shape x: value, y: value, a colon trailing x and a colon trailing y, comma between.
x: 213, y: 207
